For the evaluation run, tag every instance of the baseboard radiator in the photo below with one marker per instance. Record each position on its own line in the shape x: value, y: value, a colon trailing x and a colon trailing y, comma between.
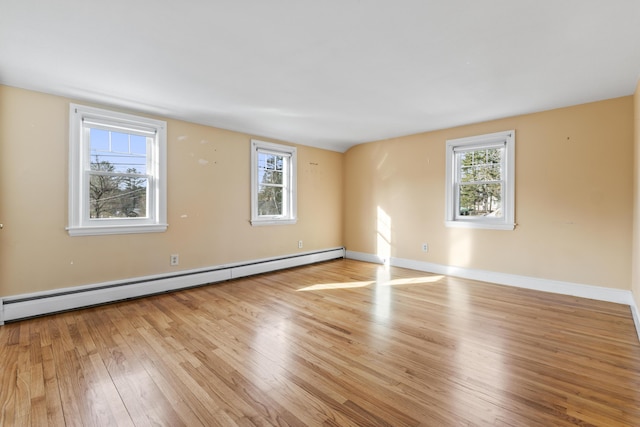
x: 37, y: 304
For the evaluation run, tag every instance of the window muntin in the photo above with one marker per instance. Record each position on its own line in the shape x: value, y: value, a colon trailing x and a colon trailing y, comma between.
x: 273, y: 196
x: 117, y: 178
x: 480, y: 181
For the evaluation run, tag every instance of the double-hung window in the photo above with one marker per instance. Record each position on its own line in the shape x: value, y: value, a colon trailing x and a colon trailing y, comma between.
x: 117, y: 172
x: 480, y: 181
x: 273, y: 183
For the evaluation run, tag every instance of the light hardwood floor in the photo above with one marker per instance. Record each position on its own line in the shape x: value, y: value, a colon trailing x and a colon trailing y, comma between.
x: 339, y: 343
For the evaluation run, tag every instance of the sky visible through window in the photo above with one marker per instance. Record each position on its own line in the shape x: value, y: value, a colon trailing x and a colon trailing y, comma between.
x: 127, y: 153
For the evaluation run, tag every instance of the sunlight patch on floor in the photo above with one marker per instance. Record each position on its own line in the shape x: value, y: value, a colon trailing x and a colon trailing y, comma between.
x: 327, y: 286
x: 392, y: 282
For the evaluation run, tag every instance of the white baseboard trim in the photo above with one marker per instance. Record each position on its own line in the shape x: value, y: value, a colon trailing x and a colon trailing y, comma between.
x: 619, y: 296
x: 636, y: 316
x: 362, y: 256
x: 40, y: 303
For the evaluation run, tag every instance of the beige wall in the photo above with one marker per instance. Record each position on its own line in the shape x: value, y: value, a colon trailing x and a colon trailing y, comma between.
x: 574, y: 179
x: 635, y: 255
x: 208, y: 204
x: 574, y: 191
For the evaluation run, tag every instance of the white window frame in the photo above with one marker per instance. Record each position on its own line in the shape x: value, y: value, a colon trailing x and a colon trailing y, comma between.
x: 506, y: 139
x: 289, y: 216
x: 80, y: 223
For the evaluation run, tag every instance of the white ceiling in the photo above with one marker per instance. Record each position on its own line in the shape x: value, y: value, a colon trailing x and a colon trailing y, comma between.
x: 330, y: 73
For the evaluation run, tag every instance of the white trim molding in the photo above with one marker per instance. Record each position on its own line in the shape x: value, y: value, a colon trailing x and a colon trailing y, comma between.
x: 619, y: 296
x: 365, y: 257
x: 40, y: 303
x: 636, y: 316
x: 82, y: 121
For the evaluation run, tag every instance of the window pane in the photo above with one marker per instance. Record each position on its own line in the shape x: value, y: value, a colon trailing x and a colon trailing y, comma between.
x: 481, y: 165
x: 467, y: 174
x: 269, y: 161
x: 99, y: 140
x: 138, y: 145
x: 120, y: 142
x: 271, y: 177
x: 270, y: 200
x: 117, y: 196
x: 117, y: 152
x: 99, y: 164
x: 480, y: 200
x: 262, y: 161
x: 266, y: 161
x: 489, y: 172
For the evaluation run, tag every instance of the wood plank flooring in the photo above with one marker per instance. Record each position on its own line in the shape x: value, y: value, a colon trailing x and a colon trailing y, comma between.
x: 342, y: 343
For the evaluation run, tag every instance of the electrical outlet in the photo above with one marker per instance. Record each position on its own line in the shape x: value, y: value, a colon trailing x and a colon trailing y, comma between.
x: 425, y: 247
x: 175, y: 259
x: 299, y: 244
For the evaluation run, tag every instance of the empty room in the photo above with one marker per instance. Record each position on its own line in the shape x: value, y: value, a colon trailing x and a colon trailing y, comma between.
x: 336, y: 213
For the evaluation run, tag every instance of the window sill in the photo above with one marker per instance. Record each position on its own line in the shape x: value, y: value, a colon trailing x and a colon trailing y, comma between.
x: 271, y: 221
x: 481, y: 225
x: 116, y: 229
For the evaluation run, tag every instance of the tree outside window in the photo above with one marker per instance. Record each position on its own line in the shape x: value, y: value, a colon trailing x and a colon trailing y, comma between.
x: 271, y: 187
x: 480, y: 187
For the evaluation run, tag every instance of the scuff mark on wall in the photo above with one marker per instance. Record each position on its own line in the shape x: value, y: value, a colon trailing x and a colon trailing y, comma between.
x: 182, y: 137
x: 203, y: 162
x: 313, y: 168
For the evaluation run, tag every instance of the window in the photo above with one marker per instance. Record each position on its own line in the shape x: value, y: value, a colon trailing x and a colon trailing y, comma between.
x: 273, y: 183
x: 117, y: 173
x: 480, y: 181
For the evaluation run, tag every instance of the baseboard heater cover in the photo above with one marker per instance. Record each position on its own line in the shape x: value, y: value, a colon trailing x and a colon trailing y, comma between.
x: 37, y: 304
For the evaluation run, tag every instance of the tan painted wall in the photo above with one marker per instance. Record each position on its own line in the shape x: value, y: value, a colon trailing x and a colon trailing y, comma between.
x: 574, y: 176
x: 635, y: 255
x: 208, y: 204
x: 573, y: 225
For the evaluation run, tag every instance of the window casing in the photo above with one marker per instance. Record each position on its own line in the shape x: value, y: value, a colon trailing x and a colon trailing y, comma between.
x: 273, y: 183
x: 117, y: 173
x: 480, y: 182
